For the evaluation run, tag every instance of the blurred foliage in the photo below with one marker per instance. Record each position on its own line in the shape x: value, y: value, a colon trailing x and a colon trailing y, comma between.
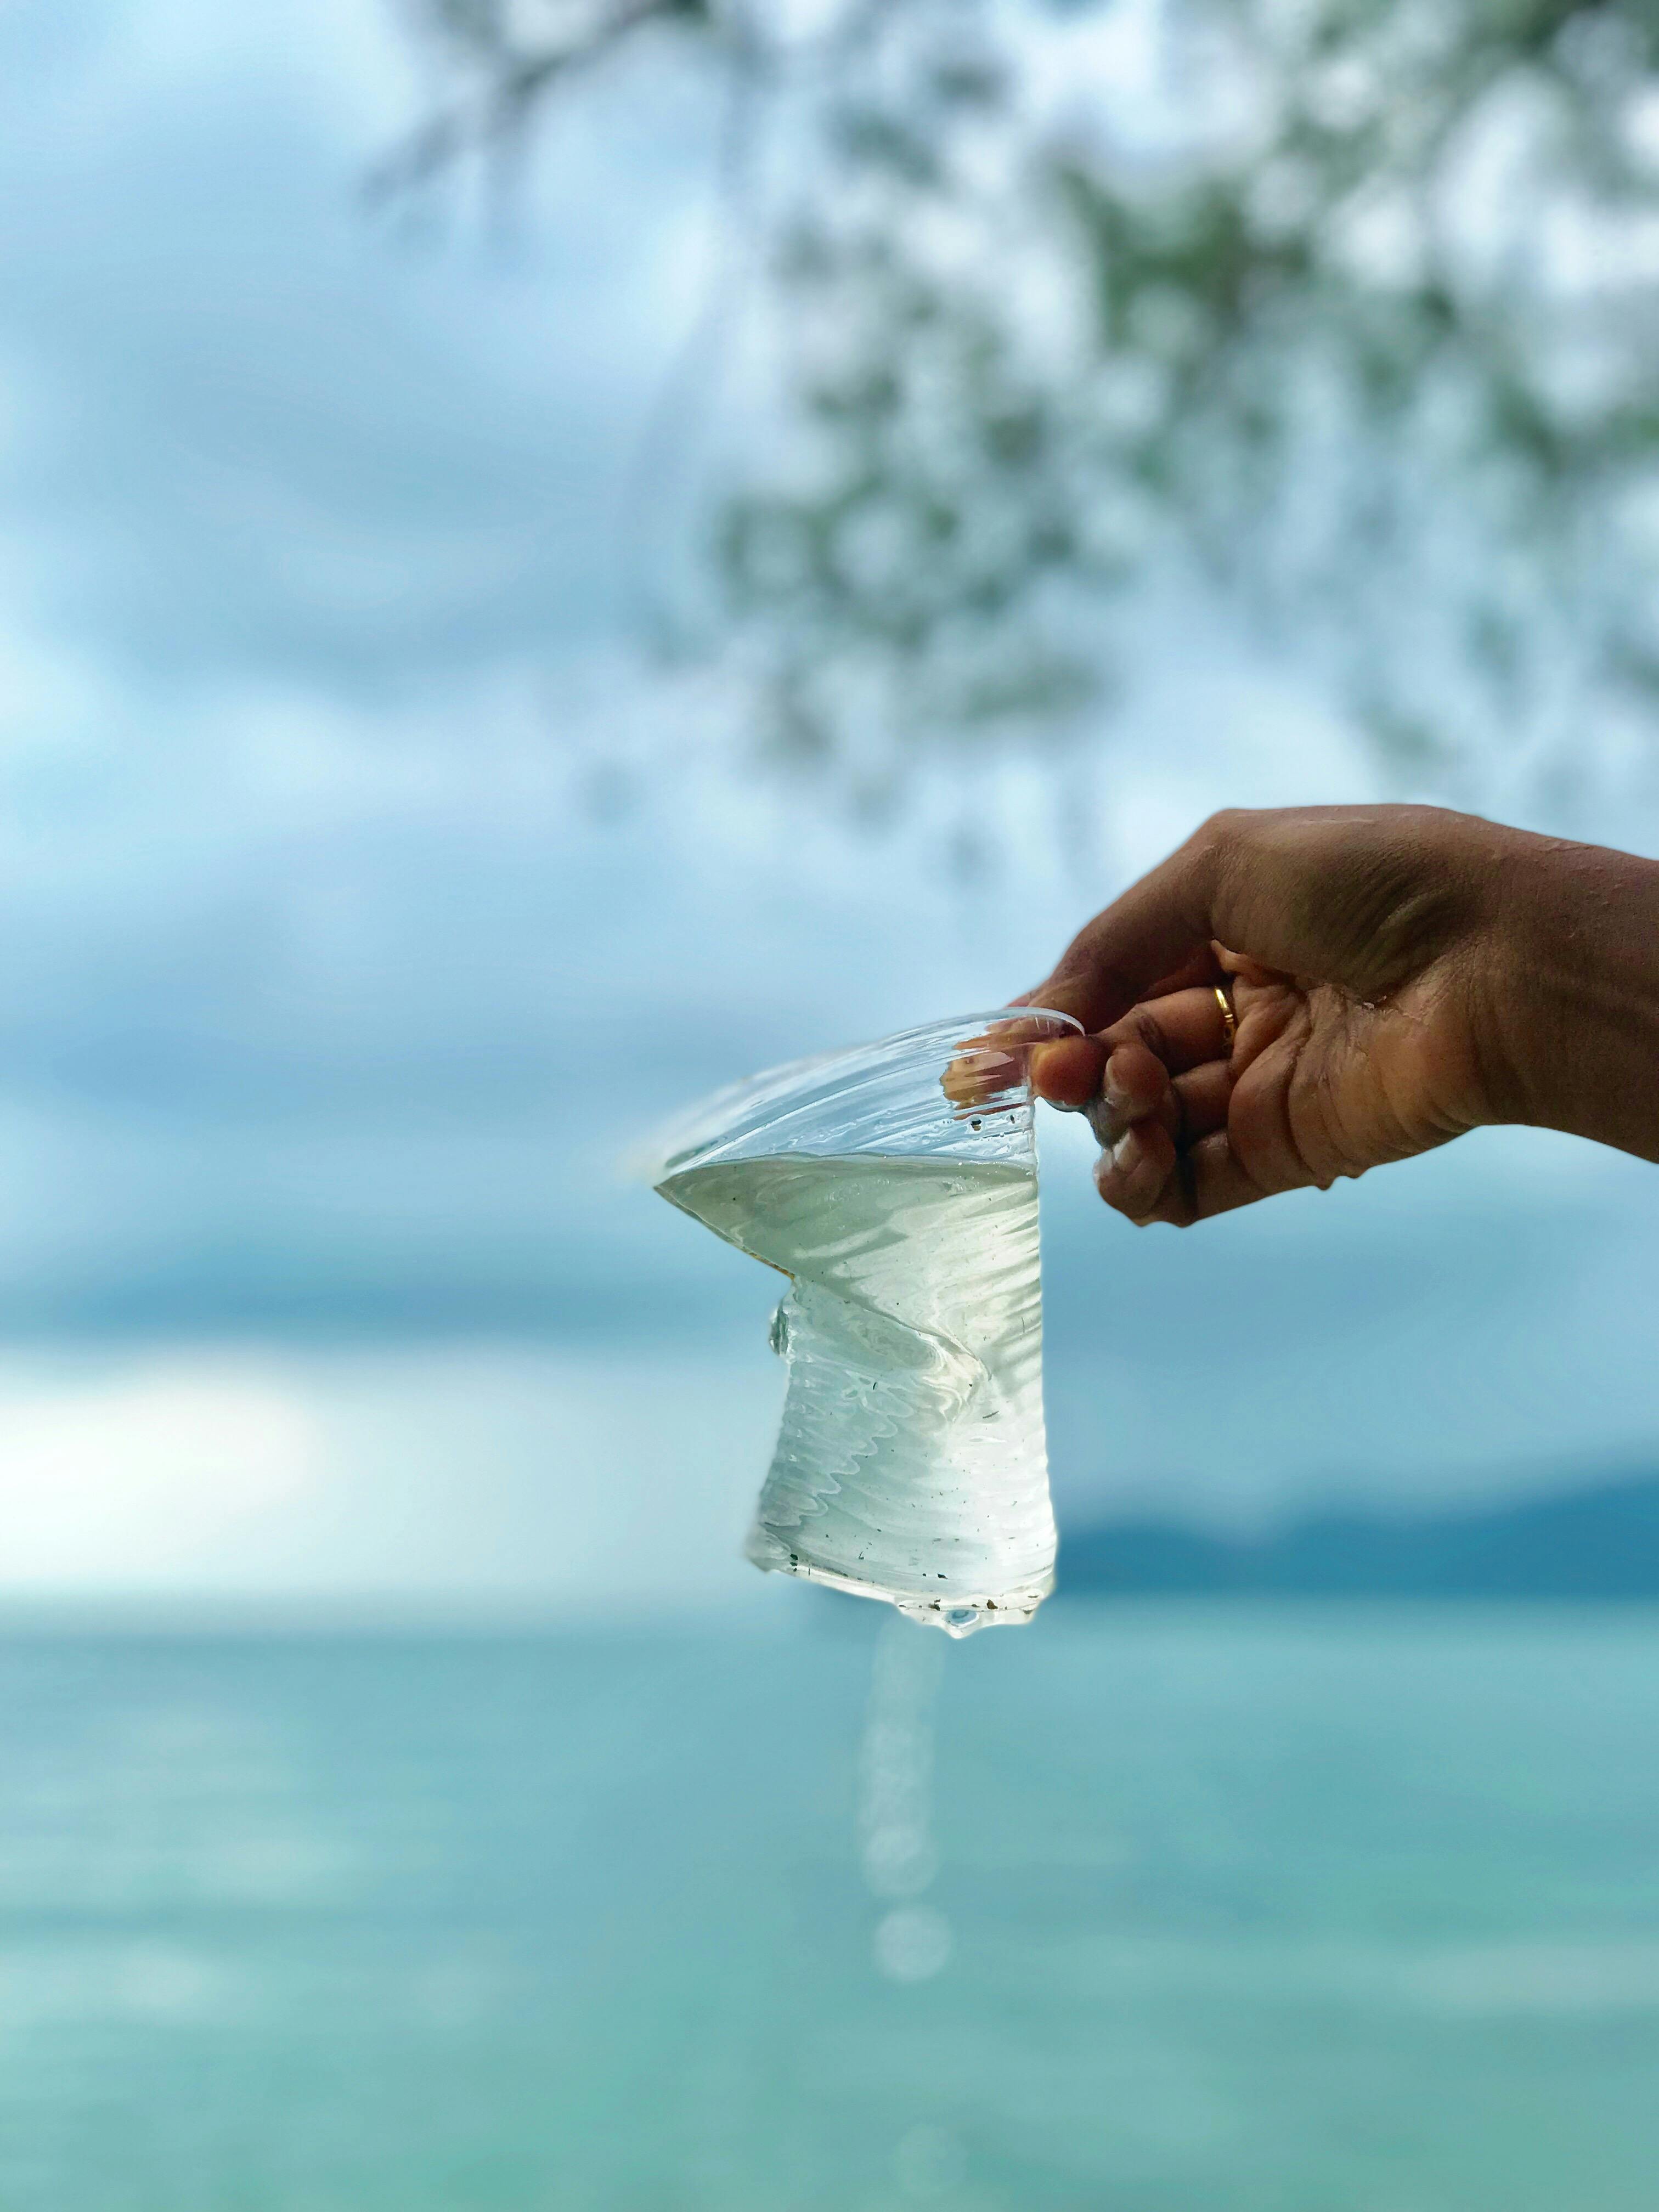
x: 1345, y: 310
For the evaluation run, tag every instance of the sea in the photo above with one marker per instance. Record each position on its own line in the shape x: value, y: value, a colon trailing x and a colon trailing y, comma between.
x: 1144, y: 1908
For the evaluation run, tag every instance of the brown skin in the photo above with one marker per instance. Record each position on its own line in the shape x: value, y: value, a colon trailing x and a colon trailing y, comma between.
x: 1399, y: 975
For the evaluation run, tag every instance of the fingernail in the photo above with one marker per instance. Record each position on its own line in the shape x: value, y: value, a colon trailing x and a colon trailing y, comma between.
x: 1122, y: 1149
x: 1111, y: 1089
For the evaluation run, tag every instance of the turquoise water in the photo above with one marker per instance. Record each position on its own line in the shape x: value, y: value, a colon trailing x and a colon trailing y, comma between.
x: 1232, y: 1910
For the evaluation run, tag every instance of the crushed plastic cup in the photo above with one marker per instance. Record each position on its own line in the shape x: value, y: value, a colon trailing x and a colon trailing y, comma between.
x: 895, y: 1185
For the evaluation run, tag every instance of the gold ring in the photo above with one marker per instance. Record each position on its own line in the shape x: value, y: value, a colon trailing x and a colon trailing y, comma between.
x: 1229, y: 1019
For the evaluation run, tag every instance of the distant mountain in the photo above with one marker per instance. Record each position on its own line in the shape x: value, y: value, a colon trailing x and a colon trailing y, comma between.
x: 1600, y: 1541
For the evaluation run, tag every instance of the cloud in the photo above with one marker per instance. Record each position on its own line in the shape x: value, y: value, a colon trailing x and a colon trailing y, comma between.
x: 558, y: 1482
x: 326, y: 1010
x: 130, y: 1472
x: 250, y: 429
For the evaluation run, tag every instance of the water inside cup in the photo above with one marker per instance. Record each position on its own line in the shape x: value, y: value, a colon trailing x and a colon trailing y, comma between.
x: 896, y: 1186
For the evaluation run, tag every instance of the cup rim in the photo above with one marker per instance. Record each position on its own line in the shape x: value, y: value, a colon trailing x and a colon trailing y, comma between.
x: 717, y: 1120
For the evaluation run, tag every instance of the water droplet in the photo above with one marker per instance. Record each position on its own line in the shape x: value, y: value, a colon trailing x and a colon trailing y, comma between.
x: 930, y: 2165
x: 912, y: 1944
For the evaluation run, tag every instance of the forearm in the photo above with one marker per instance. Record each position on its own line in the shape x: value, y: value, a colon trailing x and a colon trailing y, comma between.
x: 1573, y: 1004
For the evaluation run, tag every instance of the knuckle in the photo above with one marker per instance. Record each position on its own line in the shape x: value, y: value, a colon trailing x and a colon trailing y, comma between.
x: 1226, y: 828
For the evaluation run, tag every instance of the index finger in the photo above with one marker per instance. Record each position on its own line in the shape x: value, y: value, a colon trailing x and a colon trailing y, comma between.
x: 1161, y: 928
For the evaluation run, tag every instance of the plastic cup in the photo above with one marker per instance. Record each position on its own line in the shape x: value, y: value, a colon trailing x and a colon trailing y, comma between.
x: 896, y: 1184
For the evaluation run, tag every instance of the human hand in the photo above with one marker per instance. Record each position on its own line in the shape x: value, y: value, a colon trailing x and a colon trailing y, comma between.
x: 1397, y: 976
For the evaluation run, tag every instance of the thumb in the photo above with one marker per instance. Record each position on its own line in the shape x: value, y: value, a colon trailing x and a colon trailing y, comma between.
x: 1159, y: 932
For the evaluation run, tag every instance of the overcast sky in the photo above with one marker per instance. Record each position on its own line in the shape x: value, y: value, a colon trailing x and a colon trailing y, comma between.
x: 329, y: 1008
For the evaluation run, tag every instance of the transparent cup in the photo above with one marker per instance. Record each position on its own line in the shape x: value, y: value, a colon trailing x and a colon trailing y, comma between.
x: 896, y: 1186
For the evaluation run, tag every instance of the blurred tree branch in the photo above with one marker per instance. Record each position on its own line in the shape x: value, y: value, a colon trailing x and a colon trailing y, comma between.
x: 1349, y: 308
x: 509, y: 58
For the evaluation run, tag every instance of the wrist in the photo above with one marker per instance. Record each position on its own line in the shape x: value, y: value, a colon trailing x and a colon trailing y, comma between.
x: 1571, y: 994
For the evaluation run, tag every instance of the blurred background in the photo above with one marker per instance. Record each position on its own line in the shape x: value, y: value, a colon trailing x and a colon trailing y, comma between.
x: 554, y: 556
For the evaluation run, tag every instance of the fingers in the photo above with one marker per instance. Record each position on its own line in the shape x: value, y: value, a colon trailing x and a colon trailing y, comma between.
x: 1158, y: 932
x: 1182, y: 1030
x: 1127, y: 1066
x: 997, y: 1062
x: 1135, y: 1085
x: 1159, y: 1108
x: 1140, y: 1088
x: 1144, y: 1178
x: 1134, y: 1173
x: 1068, y: 1074
x: 1201, y: 969
x: 1296, y: 906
